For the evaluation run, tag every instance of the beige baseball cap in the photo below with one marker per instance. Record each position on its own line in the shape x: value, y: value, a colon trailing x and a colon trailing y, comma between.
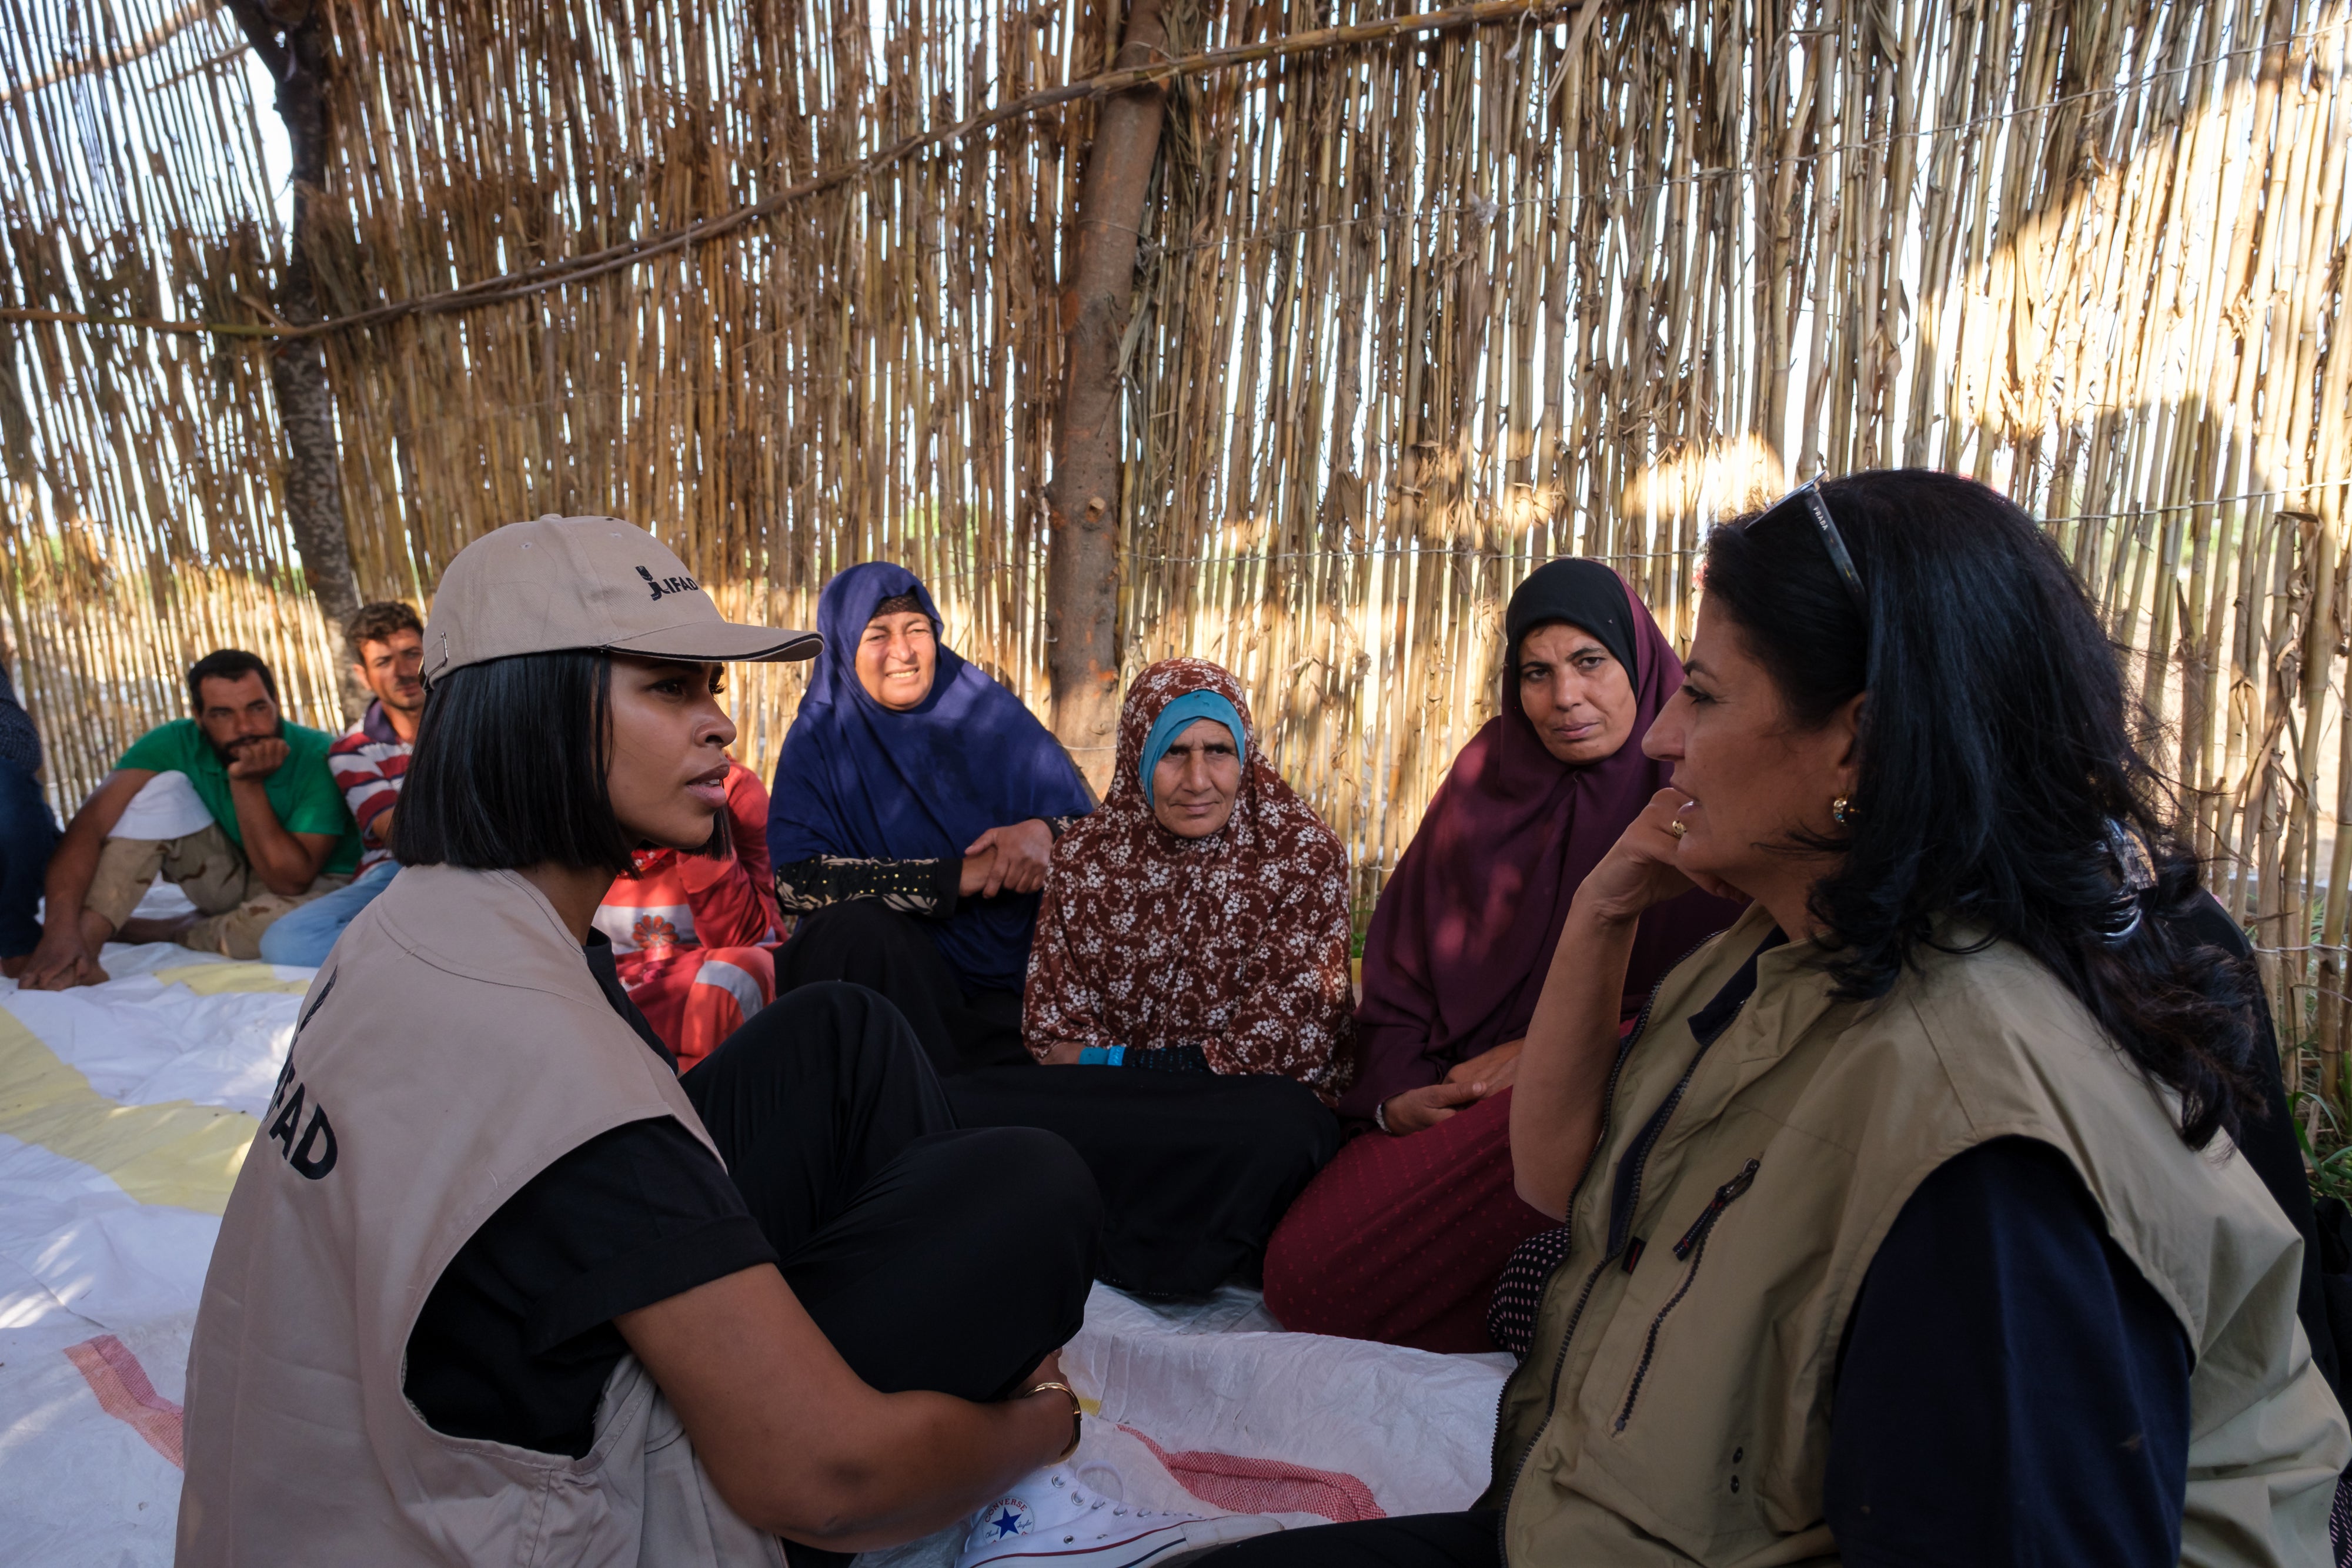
x: 586, y: 582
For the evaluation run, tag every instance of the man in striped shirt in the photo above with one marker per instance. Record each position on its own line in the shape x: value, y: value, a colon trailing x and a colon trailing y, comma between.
x: 387, y: 645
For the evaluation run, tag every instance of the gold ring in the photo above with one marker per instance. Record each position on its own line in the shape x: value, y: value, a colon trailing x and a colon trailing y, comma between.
x: 1677, y: 826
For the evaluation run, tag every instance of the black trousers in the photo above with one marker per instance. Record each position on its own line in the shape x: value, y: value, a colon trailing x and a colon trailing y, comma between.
x: 932, y: 1259
x: 1195, y: 1169
x: 28, y: 831
x: 862, y: 941
x: 1472, y: 1540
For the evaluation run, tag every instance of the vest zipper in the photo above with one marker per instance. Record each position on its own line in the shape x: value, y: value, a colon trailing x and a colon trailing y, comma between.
x: 1607, y: 1114
x: 1693, y: 1246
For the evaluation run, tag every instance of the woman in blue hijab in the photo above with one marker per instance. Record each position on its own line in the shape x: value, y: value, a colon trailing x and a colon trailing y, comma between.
x: 915, y: 807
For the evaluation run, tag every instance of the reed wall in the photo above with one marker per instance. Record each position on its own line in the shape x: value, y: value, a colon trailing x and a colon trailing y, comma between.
x: 1413, y: 316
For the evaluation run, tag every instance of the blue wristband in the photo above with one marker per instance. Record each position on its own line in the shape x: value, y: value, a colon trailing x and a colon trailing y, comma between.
x: 1102, y: 1055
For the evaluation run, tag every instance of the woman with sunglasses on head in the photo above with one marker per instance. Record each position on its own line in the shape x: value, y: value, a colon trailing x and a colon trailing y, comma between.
x: 1910, y: 1226
x: 495, y: 1284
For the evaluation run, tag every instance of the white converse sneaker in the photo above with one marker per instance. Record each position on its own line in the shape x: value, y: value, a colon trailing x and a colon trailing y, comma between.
x: 1053, y: 1522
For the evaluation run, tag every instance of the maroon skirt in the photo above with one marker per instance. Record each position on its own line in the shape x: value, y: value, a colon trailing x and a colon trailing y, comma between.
x: 1402, y: 1239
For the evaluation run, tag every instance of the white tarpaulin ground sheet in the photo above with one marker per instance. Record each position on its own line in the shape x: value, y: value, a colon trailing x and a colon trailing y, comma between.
x: 125, y: 1113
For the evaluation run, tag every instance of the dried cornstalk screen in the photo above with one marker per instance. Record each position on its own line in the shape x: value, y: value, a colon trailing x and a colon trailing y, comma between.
x: 1414, y: 315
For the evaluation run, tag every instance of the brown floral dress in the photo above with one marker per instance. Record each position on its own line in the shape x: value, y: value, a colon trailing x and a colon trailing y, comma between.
x: 1234, y: 945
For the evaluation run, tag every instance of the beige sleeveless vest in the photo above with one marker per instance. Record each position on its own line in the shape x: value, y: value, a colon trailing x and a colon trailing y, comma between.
x: 453, y: 1047
x: 1678, y: 1412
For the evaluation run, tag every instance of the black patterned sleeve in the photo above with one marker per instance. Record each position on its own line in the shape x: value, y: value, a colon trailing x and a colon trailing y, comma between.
x: 911, y: 887
x: 1170, y: 1058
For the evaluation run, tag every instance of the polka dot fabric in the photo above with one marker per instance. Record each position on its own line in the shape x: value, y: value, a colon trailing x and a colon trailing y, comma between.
x: 1519, y: 1296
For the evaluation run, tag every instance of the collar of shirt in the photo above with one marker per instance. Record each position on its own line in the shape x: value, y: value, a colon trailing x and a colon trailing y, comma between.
x: 378, y: 728
x: 1716, y: 1017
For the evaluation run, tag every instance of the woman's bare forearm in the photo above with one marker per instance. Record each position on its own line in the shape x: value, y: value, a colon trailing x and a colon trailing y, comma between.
x: 801, y: 1446
x: 930, y: 1461
x: 1563, y: 1069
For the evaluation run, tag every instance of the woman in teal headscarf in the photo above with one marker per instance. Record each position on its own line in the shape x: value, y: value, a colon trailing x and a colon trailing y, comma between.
x: 1189, y: 983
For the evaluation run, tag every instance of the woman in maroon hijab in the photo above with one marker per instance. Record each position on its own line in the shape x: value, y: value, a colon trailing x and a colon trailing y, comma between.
x: 1401, y: 1237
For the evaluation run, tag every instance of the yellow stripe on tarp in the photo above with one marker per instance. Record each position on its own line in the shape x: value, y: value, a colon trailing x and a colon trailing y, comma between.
x: 177, y: 1152
x: 212, y: 979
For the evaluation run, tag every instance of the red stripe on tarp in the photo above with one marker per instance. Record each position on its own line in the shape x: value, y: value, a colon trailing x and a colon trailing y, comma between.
x: 124, y: 1393
x: 1265, y: 1486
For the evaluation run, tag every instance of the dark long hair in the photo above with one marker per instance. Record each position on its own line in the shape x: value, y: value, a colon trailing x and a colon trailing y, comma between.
x: 1996, y: 744
x: 509, y: 768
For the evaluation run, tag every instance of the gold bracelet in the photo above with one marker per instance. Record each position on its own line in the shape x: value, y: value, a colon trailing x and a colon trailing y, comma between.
x: 1078, y: 1428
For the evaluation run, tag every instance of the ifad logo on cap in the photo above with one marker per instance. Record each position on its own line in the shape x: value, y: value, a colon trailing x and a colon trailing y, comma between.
x: 667, y: 584
x: 555, y: 583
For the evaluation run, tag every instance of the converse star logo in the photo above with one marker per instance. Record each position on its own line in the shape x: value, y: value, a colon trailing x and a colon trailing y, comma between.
x: 667, y: 585
x: 1012, y: 1518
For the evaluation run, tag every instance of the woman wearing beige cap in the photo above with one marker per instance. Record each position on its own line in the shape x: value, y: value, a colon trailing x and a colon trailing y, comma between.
x: 495, y: 1284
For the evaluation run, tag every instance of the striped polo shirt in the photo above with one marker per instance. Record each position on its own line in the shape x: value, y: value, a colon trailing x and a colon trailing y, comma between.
x: 368, y: 762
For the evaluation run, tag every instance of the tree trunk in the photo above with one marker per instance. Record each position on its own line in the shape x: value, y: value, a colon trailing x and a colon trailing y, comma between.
x: 291, y: 38
x: 1082, y: 501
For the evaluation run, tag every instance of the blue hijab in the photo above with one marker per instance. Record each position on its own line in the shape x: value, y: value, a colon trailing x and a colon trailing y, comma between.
x: 857, y: 779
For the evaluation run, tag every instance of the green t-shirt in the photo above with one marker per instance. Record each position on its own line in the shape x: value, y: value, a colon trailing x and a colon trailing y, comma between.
x: 303, y: 791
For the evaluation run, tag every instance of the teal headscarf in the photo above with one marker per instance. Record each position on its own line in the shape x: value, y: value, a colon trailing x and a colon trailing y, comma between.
x: 1176, y: 717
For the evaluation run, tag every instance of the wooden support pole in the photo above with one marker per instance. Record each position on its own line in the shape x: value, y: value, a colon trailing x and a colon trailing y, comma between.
x: 1082, y: 499
x: 291, y: 36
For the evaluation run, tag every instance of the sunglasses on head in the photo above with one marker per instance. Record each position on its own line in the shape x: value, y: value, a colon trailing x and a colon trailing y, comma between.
x: 1806, y: 500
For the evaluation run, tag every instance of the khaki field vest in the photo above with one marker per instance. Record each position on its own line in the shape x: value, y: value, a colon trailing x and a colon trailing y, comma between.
x: 453, y: 1046
x: 1678, y: 1413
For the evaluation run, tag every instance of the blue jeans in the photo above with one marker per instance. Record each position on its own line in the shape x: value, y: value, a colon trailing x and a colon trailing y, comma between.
x: 303, y: 937
x: 28, y: 831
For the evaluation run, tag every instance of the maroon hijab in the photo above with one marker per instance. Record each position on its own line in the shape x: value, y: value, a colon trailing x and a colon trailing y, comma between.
x: 1465, y: 929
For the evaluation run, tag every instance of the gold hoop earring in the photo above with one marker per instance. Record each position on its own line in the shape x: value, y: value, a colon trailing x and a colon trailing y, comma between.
x: 1841, y: 810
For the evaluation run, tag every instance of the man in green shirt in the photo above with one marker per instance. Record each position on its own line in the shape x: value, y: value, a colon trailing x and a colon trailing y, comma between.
x: 234, y: 805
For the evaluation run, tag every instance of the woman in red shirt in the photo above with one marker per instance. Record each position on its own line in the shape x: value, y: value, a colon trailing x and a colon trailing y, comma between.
x: 694, y: 935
